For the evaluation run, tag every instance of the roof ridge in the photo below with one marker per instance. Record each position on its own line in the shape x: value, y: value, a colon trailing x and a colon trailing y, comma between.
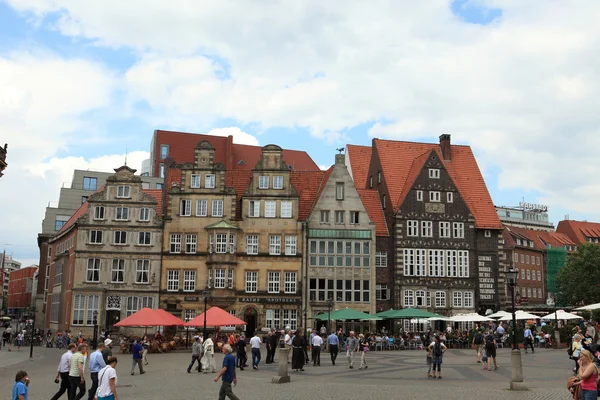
x: 427, y: 143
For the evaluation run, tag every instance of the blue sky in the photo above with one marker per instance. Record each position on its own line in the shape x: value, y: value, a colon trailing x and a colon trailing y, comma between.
x: 86, y: 83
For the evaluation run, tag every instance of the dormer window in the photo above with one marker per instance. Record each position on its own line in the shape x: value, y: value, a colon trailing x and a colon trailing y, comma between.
x: 278, y: 182
x: 519, y: 241
x: 195, y: 183
x: 379, y: 177
x: 434, y: 173
x: 123, y: 191
x: 209, y: 181
x: 263, y: 182
x: 371, y: 182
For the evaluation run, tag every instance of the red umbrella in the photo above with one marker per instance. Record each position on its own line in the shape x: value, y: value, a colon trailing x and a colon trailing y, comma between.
x: 216, y: 316
x: 170, y: 319
x: 145, y: 317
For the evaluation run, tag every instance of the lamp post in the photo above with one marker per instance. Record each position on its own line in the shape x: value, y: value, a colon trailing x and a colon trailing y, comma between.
x: 95, y: 340
x: 517, y: 367
x: 329, y: 305
x: 206, y: 294
x: 31, y: 341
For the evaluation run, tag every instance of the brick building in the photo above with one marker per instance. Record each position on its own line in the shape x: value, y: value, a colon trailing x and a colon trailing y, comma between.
x: 20, y: 289
x: 445, y: 233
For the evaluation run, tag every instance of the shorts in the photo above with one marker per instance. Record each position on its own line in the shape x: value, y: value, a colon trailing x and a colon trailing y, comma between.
x: 491, y: 351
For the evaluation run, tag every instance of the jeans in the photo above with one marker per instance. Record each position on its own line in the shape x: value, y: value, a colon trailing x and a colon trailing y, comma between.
x: 255, y: 357
x: 194, y: 359
x: 92, y: 392
x: 64, y: 386
x: 588, y: 394
x: 226, y: 391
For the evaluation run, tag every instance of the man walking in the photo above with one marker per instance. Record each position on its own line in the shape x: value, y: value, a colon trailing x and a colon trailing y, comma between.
x: 529, y: 339
x: 208, y: 359
x: 316, y: 343
x: 137, y: 357
x: 196, y: 354
x: 64, y: 366
x: 268, y: 346
x: 255, y: 343
x: 352, y: 348
x: 76, y: 376
x: 274, y: 343
x: 96, y: 364
x: 333, y: 343
x: 478, y: 342
x: 107, y: 350
x: 228, y: 374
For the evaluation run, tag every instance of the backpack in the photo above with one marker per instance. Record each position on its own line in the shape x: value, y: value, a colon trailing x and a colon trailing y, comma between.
x: 478, y: 338
x: 489, y: 339
x: 437, y: 350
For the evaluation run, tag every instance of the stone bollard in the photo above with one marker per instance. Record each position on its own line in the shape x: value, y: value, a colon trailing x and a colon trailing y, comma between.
x: 283, y: 375
x: 516, y: 382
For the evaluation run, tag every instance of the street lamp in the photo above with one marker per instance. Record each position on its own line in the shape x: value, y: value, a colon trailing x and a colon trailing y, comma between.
x: 32, y: 325
x: 95, y: 340
x: 329, y: 305
x: 206, y: 294
x: 517, y: 368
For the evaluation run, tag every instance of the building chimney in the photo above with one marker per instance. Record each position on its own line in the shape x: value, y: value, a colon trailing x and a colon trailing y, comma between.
x: 340, y: 159
x: 445, y: 147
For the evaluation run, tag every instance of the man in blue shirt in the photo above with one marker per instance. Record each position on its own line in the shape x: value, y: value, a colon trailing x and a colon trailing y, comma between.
x: 333, y: 343
x: 228, y: 374
x: 137, y: 357
x: 96, y: 364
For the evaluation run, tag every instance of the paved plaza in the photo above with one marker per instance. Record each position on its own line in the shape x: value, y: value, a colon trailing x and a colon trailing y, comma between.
x: 391, y: 375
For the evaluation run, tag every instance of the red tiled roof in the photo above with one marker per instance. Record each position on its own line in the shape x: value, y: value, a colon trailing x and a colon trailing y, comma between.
x: 397, y: 159
x: 512, y: 232
x: 158, y: 195
x: 579, y: 231
x: 370, y: 199
x: 556, y: 239
x: 360, y: 160
x: 308, y: 185
x: 78, y: 214
x: 182, y: 145
x: 239, y: 181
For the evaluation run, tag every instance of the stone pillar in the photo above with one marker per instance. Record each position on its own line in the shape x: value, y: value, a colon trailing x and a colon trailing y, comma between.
x: 283, y: 375
x: 516, y: 382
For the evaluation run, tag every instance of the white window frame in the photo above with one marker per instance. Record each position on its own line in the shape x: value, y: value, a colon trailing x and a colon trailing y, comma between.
x: 252, y: 243
x: 381, y: 292
x: 452, y: 263
x: 93, y: 302
x: 121, y: 213
x: 185, y: 208
x: 144, y: 214
x: 217, y: 208
x: 273, y: 281
x: 339, y: 191
x: 325, y: 216
x: 445, y: 231
x: 120, y: 238
x: 290, y: 282
x: 285, y: 209
x: 263, y: 182
x: 278, y: 182
x: 291, y: 245
x: 412, y: 228
x: 270, y: 209
x: 254, y: 208
x: 230, y: 278
x: 220, y: 278
x: 435, y: 196
x: 437, y: 265
x: 457, y: 300
x: 251, y: 283
x: 468, y: 299
x: 458, y: 230
x: 201, y: 208
x: 419, y: 195
x: 409, y: 298
x: 175, y: 243
x: 209, y: 181
x: 426, y: 228
x: 449, y: 197
x: 381, y: 259
x: 354, y: 218
x: 463, y: 263
x: 539, y: 276
x: 93, y: 237
x: 78, y: 309
x: 142, y: 269
x: 188, y: 315
x: 434, y: 173
x: 440, y: 299
x: 189, y: 280
x: 93, y: 267
x: 195, y: 181
x: 118, y: 268
x: 342, y: 214
x: 191, y: 243
x: 274, y: 245
x: 99, y: 214
x: 123, y: 192
x: 172, y: 280
x: 142, y: 236
x: 221, y: 241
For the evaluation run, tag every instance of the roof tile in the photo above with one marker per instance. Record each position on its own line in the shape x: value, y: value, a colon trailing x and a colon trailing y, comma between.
x: 579, y: 231
x: 360, y: 159
x: 371, y: 202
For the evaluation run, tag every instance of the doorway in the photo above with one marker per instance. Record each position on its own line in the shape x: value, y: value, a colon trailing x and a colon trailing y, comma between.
x: 112, y: 317
x: 250, y: 325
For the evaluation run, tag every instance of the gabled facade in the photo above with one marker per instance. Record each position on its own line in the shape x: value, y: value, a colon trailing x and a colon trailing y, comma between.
x: 580, y: 231
x: 236, y: 235
x: 446, y: 234
x: 106, y: 258
x: 341, y: 246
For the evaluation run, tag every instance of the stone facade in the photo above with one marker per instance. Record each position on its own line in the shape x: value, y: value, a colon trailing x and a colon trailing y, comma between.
x: 240, y: 247
x: 342, y: 246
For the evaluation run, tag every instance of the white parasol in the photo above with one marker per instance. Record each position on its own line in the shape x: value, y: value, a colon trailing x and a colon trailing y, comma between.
x: 499, y: 314
x: 562, y: 314
x: 473, y: 317
x: 520, y: 316
x: 590, y: 307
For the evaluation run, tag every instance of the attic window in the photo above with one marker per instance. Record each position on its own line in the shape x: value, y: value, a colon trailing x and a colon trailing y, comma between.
x: 434, y: 173
x: 488, y: 233
x: 531, y: 243
x: 241, y: 162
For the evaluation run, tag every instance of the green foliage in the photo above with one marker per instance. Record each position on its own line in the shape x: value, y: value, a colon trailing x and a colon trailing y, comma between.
x: 585, y: 314
x: 596, y: 315
x: 577, y: 281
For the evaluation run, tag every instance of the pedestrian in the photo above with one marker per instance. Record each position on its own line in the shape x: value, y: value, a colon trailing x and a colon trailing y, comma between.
x: 19, y: 341
x: 107, y: 350
x: 428, y: 361
x: 196, y: 354
x: 19, y: 391
x: 298, y: 348
x: 351, y: 349
x: 323, y: 330
x: 576, y: 351
x: 478, y: 342
x: 437, y: 350
x: 268, y: 347
x: 316, y: 344
x: 107, y: 381
x: 96, y: 364
x: 228, y: 375
x: 145, y: 347
x: 274, y: 343
x: 242, y: 357
x: 255, y: 343
x: 137, y: 354
x: 363, y: 347
x: 288, y: 343
x: 490, y: 350
x: 528, y: 339
x: 64, y: 366
x: 588, y: 375
x: 76, y: 373
x: 208, y: 359
x: 333, y: 344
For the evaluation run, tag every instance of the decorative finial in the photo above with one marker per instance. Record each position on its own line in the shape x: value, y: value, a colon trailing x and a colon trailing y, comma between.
x: 341, y: 150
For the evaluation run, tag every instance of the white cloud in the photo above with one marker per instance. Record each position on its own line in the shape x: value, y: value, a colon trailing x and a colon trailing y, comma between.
x: 323, y: 167
x: 238, y: 135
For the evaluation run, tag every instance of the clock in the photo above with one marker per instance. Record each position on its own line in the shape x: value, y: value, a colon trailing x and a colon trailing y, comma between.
x: 203, y: 160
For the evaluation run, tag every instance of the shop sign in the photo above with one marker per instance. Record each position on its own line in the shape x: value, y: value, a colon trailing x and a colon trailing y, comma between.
x: 487, y: 287
x: 276, y: 300
x: 191, y: 298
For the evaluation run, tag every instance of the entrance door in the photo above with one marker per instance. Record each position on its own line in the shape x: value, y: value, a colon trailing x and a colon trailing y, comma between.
x: 112, y: 317
x: 250, y: 325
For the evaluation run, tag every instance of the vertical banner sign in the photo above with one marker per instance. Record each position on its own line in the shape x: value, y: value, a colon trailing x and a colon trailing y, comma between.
x: 487, y: 289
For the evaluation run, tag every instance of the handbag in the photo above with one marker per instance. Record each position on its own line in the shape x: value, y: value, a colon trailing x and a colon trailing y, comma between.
x: 365, y: 349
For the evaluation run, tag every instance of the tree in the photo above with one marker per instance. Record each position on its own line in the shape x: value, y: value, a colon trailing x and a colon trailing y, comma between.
x: 577, y: 281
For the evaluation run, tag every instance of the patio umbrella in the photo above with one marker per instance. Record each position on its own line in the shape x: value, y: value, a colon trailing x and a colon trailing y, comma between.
x: 432, y: 319
x: 410, y: 313
x: 498, y: 314
x: 520, y: 316
x: 170, y: 319
x: 144, y: 317
x: 590, y: 307
x: 562, y: 314
x: 216, y: 316
x: 385, y: 314
x: 343, y: 314
x: 472, y: 317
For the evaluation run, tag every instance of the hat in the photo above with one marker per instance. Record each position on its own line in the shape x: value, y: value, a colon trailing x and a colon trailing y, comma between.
x: 196, y: 337
x: 107, y: 342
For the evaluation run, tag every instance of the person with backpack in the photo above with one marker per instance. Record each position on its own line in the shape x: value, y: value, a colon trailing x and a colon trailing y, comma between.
x: 490, y: 349
x: 478, y: 342
x: 437, y: 350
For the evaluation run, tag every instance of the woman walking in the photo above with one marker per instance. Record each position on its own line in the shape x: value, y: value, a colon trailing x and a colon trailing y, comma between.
x: 107, y: 381
x: 587, y: 378
x: 437, y: 350
x: 298, y: 348
x: 145, y: 347
x: 363, y: 346
x: 576, y: 350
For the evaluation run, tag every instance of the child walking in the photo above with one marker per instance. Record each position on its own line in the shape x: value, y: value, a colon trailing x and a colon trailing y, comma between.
x: 428, y: 361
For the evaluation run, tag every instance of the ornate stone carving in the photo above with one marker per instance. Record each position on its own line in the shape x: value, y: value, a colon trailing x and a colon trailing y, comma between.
x: 437, y: 208
x: 113, y: 302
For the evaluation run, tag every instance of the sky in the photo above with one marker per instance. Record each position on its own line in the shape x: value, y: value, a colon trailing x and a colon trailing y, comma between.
x: 84, y: 82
